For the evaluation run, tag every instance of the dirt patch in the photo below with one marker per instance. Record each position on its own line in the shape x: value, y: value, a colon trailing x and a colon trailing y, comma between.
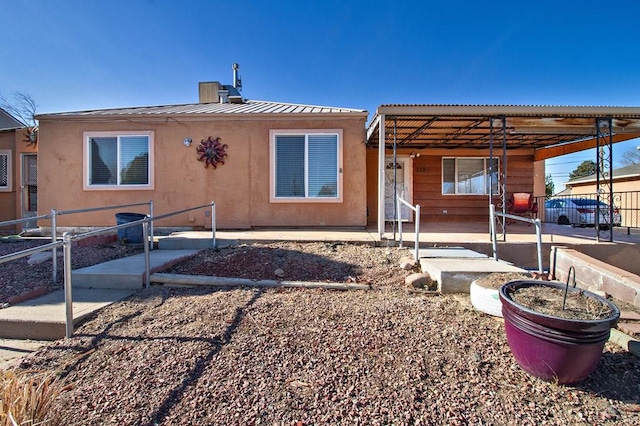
x: 496, y: 280
x: 551, y: 301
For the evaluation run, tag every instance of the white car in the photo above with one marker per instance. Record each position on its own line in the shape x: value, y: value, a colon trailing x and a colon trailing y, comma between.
x: 579, y: 212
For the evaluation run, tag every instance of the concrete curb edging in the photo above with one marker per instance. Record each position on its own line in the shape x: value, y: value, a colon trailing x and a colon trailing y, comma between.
x: 202, y: 280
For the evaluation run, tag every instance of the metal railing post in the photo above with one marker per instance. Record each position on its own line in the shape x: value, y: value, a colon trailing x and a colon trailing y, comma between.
x: 150, y: 225
x: 147, y: 260
x: 54, y: 250
x: 399, y: 218
x: 417, y: 222
x: 213, y: 223
x: 492, y: 227
x: 68, y: 297
x: 538, y: 225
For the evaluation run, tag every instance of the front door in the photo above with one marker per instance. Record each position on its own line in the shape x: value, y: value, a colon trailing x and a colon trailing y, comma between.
x: 29, y: 187
x: 401, y: 175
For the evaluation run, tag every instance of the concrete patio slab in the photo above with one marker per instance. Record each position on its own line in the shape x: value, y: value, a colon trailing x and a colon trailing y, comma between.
x: 44, y: 318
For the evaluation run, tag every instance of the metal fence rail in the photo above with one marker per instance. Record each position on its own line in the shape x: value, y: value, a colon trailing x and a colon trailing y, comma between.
x: 626, y: 202
x: 416, y: 210
x: 68, y: 239
x: 494, y: 239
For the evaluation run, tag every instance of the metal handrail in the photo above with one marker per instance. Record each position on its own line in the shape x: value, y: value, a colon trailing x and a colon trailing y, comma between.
x: 54, y: 226
x: 416, y: 210
x: 146, y: 225
x: 494, y: 239
x: 24, y: 219
x: 28, y: 252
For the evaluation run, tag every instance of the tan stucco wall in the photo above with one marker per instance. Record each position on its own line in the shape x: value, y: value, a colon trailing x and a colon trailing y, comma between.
x: 240, y: 187
x: 14, y: 141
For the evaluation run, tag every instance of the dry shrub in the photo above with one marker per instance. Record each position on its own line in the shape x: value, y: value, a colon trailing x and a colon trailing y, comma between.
x: 25, y: 398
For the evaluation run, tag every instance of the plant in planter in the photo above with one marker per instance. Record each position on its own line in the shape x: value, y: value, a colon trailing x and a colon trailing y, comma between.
x: 556, y: 333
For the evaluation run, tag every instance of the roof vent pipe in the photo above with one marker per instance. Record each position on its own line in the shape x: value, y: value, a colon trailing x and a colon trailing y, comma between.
x: 237, y: 83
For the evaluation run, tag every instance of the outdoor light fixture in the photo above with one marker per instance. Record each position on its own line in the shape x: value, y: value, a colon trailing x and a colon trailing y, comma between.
x: 187, y: 141
x: 414, y: 154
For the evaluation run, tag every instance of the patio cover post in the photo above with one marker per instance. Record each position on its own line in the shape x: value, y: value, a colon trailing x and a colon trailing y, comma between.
x: 381, y: 148
x: 604, y: 169
x: 503, y: 183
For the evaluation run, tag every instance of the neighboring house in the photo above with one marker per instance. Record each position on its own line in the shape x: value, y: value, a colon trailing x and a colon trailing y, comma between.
x: 18, y: 173
x: 285, y: 165
x: 625, y: 186
x: 624, y: 179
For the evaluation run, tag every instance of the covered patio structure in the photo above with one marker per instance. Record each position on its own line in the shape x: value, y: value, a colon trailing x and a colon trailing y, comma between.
x: 457, y: 160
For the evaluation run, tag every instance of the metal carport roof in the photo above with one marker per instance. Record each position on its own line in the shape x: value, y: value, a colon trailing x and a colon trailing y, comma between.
x: 550, y: 131
x: 469, y: 126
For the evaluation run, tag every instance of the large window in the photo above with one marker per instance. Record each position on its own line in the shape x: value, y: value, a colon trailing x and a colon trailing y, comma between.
x: 5, y: 170
x: 305, y: 166
x: 469, y: 176
x: 119, y: 161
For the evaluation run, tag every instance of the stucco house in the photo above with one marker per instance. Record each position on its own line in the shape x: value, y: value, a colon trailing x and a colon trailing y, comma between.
x: 278, y: 164
x: 289, y: 165
x: 18, y: 172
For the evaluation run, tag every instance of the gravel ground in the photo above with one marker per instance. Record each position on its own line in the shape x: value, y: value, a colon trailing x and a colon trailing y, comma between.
x: 309, y: 357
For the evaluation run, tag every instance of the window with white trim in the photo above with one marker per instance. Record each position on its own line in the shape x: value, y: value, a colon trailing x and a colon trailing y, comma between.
x: 306, y: 166
x: 5, y: 170
x: 119, y: 160
x: 469, y: 175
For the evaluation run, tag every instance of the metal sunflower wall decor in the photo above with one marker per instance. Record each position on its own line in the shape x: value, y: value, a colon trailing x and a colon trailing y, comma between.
x: 211, y: 152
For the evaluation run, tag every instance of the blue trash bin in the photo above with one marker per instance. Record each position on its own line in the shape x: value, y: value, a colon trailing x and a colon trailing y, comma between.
x: 131, y: 234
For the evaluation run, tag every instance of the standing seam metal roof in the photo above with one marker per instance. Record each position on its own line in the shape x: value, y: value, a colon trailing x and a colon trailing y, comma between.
x: 248, y: 107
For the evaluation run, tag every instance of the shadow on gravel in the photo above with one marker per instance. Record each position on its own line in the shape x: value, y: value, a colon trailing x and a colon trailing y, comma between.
x: 260, y: 263
x: 616, y: 377
x: 176, y: 394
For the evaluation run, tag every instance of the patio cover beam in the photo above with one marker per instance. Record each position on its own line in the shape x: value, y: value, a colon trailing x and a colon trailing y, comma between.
x: 569, y: 148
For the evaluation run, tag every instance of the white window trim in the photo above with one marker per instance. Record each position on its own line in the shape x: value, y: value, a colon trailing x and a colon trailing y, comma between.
x: 86, y: 161
x: 272, y: 165
x: 9, y: 186
x: 457, y: 194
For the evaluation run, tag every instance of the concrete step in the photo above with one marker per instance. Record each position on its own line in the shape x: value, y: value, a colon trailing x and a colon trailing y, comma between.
x: 455, y: 268
x: 44, y: 318
x: 192, y: 240
x: 126, y: 273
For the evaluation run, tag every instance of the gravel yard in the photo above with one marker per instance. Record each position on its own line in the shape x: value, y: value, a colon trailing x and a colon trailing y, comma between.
x: 311, y: 357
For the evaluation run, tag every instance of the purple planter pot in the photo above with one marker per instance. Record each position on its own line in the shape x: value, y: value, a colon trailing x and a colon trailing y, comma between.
x: 551, y: 348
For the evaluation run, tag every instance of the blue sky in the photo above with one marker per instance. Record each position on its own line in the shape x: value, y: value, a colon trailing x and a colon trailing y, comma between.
x: 76, y: 55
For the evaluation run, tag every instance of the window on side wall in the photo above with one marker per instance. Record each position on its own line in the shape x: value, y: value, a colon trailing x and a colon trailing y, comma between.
x: 469, y: 176
x: 118, y: 161
x: 5, y: 170
x: 306, y: 166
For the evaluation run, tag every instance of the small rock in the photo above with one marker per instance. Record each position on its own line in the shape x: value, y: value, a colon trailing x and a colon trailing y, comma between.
x: 611, y: 413
x: 407, y: 264
x: 476, y: 356
x: 419, y: 280
x: 279, y: 273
